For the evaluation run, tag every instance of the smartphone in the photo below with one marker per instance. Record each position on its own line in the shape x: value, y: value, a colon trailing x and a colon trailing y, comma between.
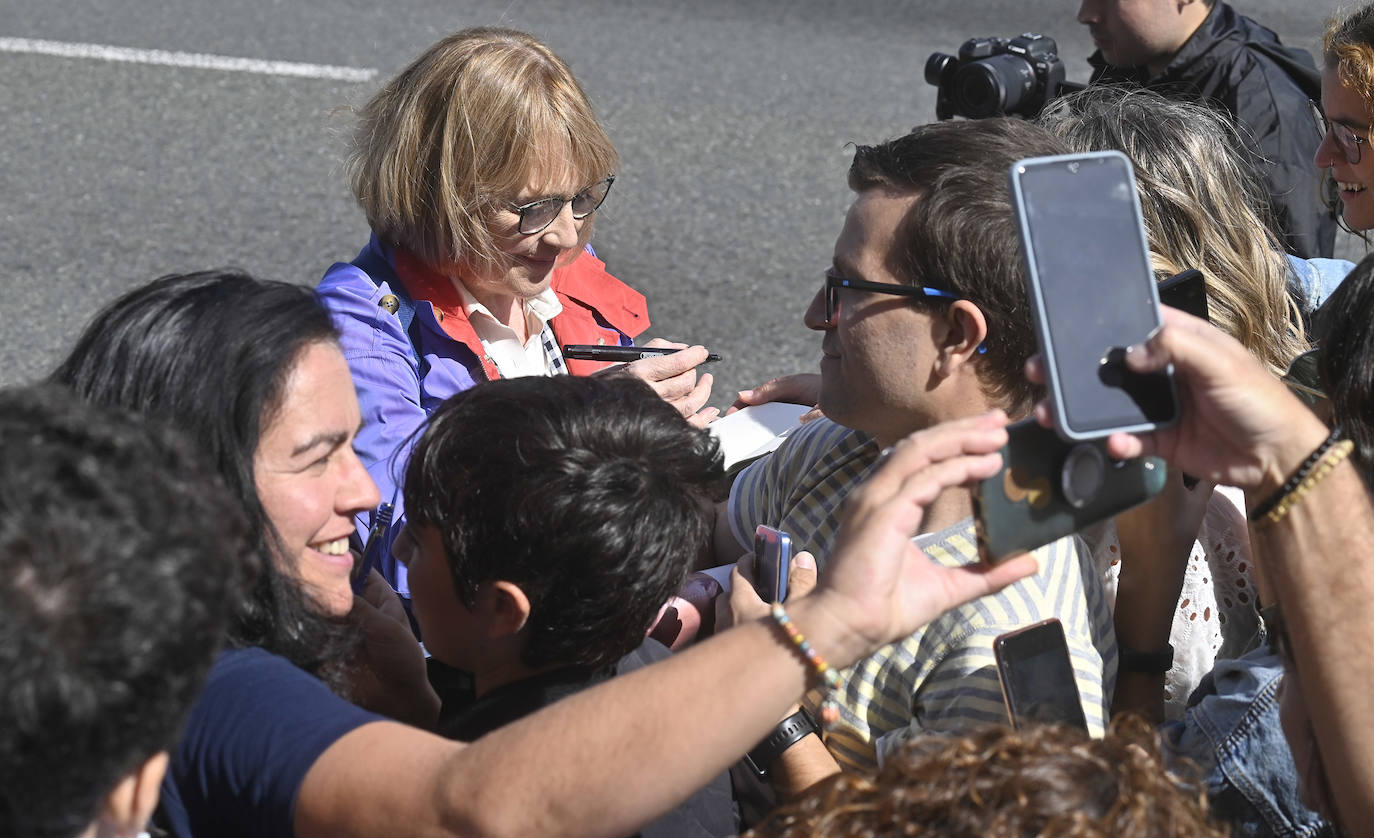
x: 772, y: 558
x: 1186, y: 291
x: 1036, y: 673
x: 1092, y: 292
x: 1048, y: 487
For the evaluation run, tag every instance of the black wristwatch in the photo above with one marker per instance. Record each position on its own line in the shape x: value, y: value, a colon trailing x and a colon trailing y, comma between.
x: 1156, y: 662
x: 789, y: 732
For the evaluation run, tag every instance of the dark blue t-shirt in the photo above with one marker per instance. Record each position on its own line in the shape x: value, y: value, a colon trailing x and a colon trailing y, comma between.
x: 251, y: 738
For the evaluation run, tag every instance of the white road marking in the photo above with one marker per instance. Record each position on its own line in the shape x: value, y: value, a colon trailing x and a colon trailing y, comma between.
x: 195, y: 60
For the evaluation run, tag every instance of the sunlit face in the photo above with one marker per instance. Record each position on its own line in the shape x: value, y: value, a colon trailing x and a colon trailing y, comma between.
x: 446, y: 623
x: 1135, y: 33
x: 309, y: 481
x: 1346, y: 108
x: 529, y: 260
x: 875, y: 348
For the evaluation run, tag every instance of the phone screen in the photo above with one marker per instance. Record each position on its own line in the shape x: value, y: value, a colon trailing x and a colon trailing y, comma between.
x: 1186, y: 291
x: 1037, y: 676
x: 772, y: 556
x: 1093, y: 290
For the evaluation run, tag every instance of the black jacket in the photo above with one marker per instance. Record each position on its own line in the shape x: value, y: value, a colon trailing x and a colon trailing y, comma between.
x: 1241, y: 67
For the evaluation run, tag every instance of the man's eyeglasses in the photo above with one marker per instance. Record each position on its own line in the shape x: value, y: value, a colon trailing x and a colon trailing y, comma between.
x: 1346, y: 139
x: 834, y: 283
x: 536, y: 215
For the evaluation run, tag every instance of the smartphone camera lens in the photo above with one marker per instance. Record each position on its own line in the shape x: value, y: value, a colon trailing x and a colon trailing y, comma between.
x: 1082, y: 475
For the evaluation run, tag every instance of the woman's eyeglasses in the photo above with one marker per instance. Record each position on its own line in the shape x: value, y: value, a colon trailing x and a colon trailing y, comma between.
x: 1346, y: 139
x: 536, y: 215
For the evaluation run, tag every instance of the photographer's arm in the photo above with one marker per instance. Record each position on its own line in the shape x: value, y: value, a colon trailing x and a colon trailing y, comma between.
x: 595, y: 764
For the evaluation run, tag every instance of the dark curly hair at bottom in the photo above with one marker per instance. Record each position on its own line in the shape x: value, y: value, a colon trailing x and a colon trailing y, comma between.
x: 121, y: 558
x: 1044, y: 781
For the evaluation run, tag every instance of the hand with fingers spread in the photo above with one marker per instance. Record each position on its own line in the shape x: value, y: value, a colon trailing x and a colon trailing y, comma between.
x: 1238, y: 424
x: 674, y: 378
x: 796, y: 388
x: 877, y: 582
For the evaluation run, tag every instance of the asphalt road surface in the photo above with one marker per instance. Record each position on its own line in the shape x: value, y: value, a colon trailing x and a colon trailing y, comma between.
x: 732, y: 119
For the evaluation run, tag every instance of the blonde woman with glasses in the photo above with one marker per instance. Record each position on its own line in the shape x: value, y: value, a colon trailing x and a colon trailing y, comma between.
x: 480, y: 169
x: 1203, y: 209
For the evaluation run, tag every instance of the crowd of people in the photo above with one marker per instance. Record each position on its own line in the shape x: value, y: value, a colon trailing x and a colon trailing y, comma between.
x: 192, y: 645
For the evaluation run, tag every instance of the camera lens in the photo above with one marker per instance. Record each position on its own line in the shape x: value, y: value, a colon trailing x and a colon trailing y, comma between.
x: 1082, y: 475
x: 993, y: 86
x: 937, y: 65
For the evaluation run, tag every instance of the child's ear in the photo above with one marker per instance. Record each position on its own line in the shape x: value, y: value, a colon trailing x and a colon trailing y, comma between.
x: 131, y: 802
x: 507, y: 606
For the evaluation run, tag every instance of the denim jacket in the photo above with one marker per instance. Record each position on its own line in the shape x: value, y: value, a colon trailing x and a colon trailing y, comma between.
x: 1231, y: 731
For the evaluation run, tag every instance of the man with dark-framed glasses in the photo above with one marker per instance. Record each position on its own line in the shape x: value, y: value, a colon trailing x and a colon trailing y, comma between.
x: 924, y: 320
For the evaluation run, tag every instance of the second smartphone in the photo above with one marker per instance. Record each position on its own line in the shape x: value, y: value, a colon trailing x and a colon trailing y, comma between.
x: 772, y: 559
x: 1092, y: 291
x: 1048, y: 488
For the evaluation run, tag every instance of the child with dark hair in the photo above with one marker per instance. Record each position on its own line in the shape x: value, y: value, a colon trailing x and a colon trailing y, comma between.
x: 549, y: 519
x: 120, y: 558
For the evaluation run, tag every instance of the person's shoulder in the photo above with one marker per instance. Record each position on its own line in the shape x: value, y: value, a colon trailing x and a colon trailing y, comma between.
x: 586, y: 282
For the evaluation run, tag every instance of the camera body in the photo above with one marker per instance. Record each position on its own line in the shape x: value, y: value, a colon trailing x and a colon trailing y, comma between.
x: 997, y: 77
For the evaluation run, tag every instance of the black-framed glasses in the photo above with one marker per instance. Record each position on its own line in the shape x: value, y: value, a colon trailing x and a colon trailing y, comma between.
x: 1346, y: 139
x: 834, y: 283
x: 536, y: 215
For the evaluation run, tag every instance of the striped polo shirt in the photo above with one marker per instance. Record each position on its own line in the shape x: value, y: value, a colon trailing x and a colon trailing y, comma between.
x: 943, y: 678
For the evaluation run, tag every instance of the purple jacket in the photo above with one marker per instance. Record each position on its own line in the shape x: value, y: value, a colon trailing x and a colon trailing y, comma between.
x: 397, y: 394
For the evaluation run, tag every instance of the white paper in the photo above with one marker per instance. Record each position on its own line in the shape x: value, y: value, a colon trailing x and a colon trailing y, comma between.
x: 755, y: 430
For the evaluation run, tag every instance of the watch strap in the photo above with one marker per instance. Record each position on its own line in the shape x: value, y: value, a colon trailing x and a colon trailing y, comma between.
x: 789, y: 732
x: 1154, y: 662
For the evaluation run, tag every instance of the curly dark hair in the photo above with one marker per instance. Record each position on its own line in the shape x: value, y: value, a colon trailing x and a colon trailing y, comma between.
x: 208, y: 354
x: 1048, y: 780
x: 961, y: 235
x: 1345, y: 359
x: 591, y: 494
x: 121, y: 557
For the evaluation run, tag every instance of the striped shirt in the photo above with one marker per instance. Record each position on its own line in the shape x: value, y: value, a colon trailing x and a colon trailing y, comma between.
x: 943, y: 678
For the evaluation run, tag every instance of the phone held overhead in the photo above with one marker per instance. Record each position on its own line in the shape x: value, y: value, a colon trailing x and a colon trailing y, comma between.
x: 1092, y: 292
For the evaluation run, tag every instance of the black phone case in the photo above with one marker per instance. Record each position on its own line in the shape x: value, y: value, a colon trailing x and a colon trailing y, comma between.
x: 1017, y: 648
x: 1023, y: 506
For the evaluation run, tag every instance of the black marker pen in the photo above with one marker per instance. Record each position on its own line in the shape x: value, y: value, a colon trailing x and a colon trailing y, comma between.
x: 588, y: 352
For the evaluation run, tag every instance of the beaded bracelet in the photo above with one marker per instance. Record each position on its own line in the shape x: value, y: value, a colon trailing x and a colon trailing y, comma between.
x: 1333, y: 458
x: 830, y: 710
x: 1297, y: 477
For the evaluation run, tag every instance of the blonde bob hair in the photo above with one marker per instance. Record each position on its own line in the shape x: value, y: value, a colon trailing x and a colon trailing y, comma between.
x: 456, y: 136
x: 1204, y: 207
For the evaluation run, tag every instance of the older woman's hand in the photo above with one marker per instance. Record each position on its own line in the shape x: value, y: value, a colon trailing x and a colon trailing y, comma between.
x: 674, y: 378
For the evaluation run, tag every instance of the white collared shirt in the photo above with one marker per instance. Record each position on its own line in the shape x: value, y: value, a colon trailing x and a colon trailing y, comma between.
x: 512, y: 359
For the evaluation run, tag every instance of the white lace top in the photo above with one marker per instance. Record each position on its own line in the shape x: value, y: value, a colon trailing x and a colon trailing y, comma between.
x: 1217, y: 614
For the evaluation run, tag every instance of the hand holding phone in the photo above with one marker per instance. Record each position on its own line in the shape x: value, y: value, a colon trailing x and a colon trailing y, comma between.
x: 1092, y: 292
x: 772, y: 559
x: 1036, y: 674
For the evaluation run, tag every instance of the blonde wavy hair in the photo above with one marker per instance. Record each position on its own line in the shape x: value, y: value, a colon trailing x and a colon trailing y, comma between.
x: 457, y: 135
x: 1047, y: 780
x: 1204, y: 208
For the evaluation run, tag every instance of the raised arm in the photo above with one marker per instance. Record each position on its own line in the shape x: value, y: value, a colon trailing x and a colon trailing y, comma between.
x: 594, y: 764
x: 1241, y: 426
